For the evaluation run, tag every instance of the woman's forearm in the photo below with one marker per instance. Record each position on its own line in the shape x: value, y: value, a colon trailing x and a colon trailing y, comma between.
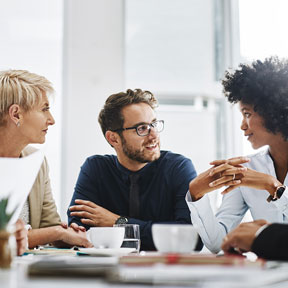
x: 44, y: 236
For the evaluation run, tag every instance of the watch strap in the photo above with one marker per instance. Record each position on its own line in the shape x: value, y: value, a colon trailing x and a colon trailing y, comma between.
x: 279, y: 191
x: 277, y: 194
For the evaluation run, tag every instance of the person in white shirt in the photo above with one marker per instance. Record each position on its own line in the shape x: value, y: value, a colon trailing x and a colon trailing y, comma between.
x: 261, y: 89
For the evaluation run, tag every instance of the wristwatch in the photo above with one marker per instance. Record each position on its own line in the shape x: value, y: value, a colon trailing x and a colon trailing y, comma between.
x: 277, y: 194
x: 122, y: 220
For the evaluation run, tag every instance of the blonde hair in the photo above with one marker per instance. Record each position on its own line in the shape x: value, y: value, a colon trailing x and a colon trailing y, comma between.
x: 23, y: 88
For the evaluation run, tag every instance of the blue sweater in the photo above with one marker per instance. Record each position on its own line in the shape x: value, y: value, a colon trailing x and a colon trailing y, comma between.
x: 163, y: 186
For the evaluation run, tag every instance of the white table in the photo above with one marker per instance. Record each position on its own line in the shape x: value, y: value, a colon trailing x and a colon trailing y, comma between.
x: 195, y: 276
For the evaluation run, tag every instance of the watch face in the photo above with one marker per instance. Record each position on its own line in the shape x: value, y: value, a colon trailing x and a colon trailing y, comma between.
x: 280, y: 191
x: 121, y: 220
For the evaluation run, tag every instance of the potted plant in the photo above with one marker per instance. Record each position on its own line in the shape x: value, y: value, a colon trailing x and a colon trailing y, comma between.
x: 5, y: 239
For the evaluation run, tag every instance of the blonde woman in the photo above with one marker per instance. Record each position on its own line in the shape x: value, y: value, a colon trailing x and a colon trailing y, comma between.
x: 24, y: 119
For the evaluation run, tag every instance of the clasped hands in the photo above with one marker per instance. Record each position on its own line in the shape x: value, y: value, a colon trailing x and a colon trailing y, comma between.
x: 223, y: 173
x: 230, y: 173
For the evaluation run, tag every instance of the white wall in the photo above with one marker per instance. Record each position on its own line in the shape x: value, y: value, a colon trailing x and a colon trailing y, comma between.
x: 92, y: 70
x: 31, y: 39
x: 190, y: 132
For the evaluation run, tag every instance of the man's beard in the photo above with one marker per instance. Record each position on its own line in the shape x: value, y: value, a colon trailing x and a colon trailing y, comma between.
x: 137, y: 155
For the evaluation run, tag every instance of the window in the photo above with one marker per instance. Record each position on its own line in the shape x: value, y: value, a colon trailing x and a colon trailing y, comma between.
x: 263, y: 33
x: 169, y: 50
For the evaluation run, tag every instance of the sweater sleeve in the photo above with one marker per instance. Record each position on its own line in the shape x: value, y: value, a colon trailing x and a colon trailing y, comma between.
x: 49, y: 214
x: 85, y: 189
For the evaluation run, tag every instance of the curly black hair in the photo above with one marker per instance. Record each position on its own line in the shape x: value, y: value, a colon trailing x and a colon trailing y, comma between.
x: 263, y: 85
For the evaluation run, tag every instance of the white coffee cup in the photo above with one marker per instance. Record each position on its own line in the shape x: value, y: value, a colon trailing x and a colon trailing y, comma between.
x: 174, y: 238
x: 106, y: 237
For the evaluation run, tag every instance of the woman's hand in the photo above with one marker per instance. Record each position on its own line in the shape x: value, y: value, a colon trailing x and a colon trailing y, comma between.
x: 75, y: 226
x: 248, y: 177
x: 21, y: 237
x: 70, y: 237
x: 201, y: 185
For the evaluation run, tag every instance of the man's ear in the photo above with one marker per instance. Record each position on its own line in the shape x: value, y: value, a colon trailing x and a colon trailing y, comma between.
x: 15, y: 113
x: 113, y: 138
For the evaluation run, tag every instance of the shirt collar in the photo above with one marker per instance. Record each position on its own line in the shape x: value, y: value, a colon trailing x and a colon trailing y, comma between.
x: 148, y: 169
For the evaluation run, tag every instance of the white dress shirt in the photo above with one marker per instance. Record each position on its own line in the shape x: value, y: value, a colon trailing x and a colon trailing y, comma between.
x: 213, y: 228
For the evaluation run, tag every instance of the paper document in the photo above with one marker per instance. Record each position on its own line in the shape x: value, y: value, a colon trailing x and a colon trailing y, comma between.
x: 73, y: 266
x: 201, y: 276
x: 17, y: 176
x: 117, y: 252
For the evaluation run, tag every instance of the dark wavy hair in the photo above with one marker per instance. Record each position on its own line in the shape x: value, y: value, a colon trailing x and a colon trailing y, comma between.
x: 263, y: 85
x: 111, y: 118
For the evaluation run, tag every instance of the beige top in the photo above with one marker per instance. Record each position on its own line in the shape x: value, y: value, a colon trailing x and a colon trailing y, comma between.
x: 43, y: 211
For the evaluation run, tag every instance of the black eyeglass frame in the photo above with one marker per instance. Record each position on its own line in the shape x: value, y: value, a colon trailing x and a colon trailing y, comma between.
x: 151, y: 125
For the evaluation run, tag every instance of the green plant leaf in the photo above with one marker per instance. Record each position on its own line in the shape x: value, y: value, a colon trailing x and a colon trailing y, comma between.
x: 4, y: 216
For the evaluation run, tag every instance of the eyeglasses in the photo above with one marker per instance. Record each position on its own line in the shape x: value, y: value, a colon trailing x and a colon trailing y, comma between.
x: 144, y: 129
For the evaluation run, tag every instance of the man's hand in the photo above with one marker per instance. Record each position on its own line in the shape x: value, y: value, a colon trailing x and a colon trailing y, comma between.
x: 92, y: 214
x: 21, y: 237
x: 77, y: 227
x: 241, y: 239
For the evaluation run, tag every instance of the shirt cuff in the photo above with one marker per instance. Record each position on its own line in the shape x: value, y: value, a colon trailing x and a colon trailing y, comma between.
x: 28, y: 227
x: 260, y: 230
x: 188, y: 197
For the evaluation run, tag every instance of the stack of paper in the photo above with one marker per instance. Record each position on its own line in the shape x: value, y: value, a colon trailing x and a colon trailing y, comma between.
x: 188, y: 259
x: 200, y: 276
x: 69, y: 266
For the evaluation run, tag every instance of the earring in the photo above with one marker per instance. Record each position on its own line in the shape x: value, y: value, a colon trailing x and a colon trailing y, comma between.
x: 18, y: 124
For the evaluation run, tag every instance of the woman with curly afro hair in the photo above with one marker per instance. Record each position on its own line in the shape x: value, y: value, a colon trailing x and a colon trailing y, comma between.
x: 261, y: 90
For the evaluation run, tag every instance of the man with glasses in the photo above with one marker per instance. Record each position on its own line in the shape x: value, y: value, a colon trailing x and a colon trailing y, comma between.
x: 141, y: 185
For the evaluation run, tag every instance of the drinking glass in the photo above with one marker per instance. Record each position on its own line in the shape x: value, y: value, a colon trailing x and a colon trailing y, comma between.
x: 131, y: 236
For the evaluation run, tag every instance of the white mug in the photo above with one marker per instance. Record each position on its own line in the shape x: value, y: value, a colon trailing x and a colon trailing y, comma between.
x: 174, y: 238
x: 106, y: 237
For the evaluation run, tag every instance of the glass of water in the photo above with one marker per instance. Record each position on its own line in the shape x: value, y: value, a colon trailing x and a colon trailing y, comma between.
x: 131, y: 236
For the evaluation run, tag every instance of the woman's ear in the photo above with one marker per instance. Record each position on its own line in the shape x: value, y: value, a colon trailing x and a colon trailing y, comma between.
x: 112, y: 138
x: 15, y: 114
